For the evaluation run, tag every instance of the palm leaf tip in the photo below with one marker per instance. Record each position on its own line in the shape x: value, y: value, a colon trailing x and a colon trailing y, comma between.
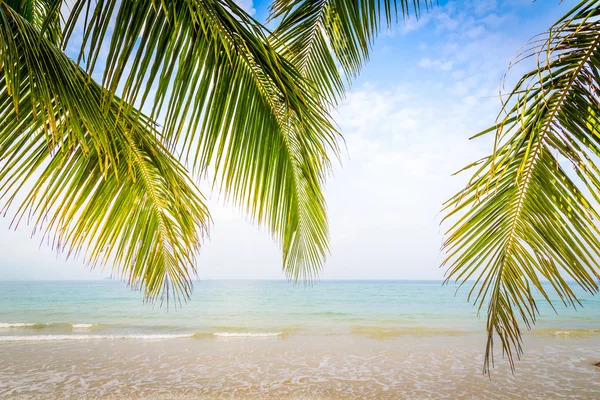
x: 522, y: 219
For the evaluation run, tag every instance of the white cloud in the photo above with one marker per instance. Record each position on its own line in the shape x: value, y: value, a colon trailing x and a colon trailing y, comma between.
x: 435, y: 64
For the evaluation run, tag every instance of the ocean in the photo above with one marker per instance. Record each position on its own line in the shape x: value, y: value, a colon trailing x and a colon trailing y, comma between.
x: 274, y: 339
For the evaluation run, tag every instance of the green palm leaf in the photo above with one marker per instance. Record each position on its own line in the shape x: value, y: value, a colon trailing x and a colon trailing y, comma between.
x: 522, y: 218
x: 316, y: 36
x: 97, y: 181
x: 43, y: 14
x: 230, y: 102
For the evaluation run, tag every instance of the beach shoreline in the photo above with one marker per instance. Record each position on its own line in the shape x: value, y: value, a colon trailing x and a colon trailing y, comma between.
x: 298, y: 367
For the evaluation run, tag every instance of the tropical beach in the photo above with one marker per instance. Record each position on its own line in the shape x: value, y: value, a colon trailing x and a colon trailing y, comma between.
x: 257, y: 339
x: 299, y: 199
x: 409, y: 367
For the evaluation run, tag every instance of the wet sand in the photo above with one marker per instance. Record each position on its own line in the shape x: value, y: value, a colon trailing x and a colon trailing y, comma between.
x: 303, y: 367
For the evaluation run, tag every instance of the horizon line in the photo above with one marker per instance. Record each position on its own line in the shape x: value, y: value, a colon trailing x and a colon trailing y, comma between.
x: 226, y: 279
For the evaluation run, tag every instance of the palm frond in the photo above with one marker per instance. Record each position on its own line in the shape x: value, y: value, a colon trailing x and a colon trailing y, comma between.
x: 94, y: 180
x: 317, y: 35
x: 522, y: 218
x: 44, y: 15
x: 230, y: 102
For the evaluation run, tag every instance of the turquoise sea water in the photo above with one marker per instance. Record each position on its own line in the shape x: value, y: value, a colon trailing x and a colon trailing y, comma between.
x: 275, y: 340
x: 74, y: 310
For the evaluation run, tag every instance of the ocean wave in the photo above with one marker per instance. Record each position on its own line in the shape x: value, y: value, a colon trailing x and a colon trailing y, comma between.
x: 37, y: 338
x: 566, y: 332
x: 247, y: 334
x: 41, y: 325
x: 82, y: 326
x: 22, y: 325
x: 324, y: 313
x: 382, y: 333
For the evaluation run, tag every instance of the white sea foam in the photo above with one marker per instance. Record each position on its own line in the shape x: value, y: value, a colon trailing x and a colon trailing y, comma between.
x: 37, y: 338
x: 18, y: 324
x: 247, y: 334
x: 562, y: 333
x: 82, y: 326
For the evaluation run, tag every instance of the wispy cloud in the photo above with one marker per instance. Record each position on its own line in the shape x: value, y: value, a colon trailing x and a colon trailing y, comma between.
x: 435, y: 64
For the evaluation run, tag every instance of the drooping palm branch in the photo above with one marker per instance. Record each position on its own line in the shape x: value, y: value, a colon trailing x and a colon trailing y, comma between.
x: 229, y: 102
x: 523, y: 218
x: 98, y: 182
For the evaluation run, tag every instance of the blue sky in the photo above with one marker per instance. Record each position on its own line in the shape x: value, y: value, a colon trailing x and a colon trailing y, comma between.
x: 429, y: 86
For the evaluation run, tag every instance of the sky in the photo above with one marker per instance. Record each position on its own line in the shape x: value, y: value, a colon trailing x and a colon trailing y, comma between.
x: 429, y: 86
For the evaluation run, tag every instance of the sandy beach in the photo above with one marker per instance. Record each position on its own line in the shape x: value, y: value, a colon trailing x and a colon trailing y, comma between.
x: 296, y: 367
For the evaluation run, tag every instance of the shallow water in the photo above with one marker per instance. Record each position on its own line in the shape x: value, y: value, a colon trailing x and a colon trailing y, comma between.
x: 295, y: 367
x: 274, y: 340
